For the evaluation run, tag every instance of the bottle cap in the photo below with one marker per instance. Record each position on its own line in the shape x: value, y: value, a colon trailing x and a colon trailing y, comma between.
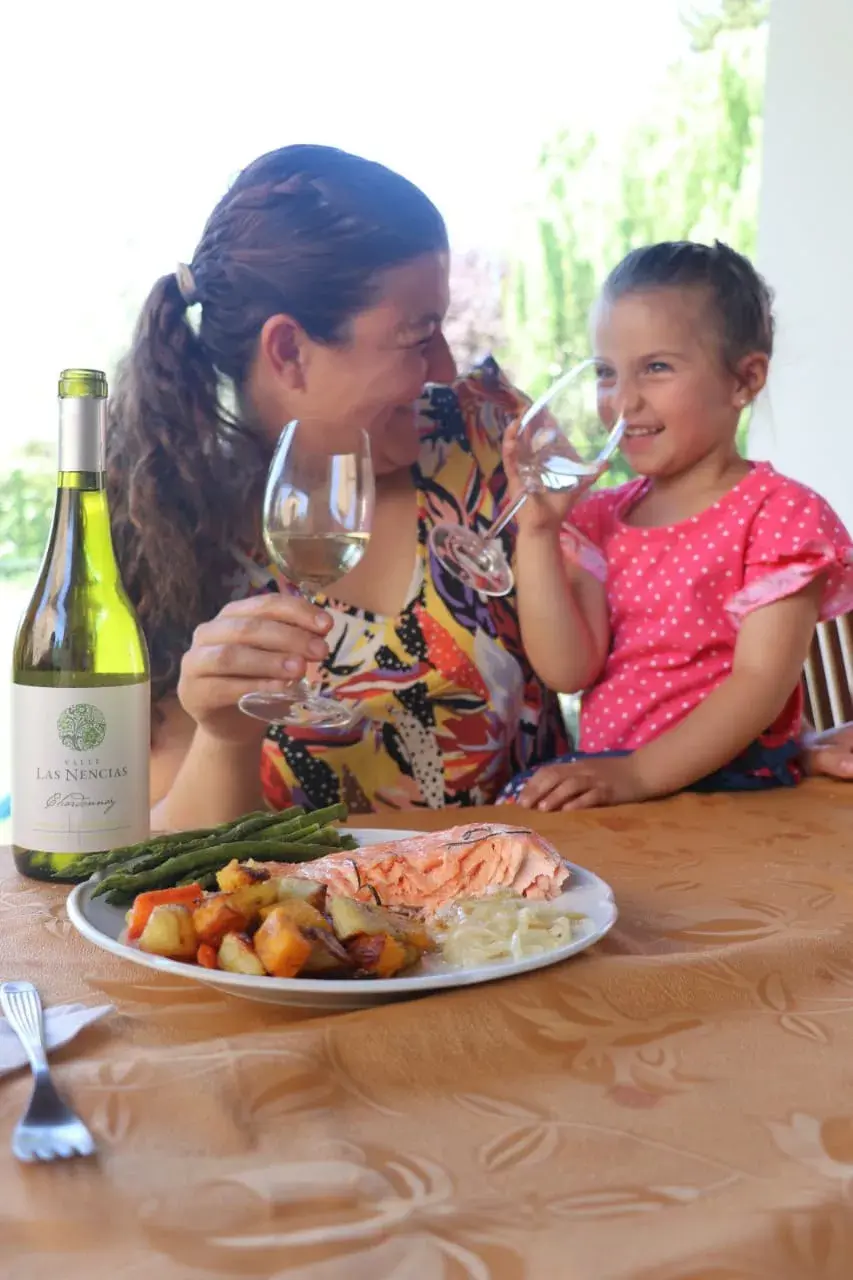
x: 82, y: 384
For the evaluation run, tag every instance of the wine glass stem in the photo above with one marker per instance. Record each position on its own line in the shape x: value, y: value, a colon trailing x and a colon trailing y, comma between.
x: 507, y: 515
x: 309, y: 594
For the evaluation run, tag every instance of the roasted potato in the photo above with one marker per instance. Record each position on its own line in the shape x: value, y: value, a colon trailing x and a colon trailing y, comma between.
x: 170, y: 932
x: 302, y: 914
x: 239, y: 874
x: 380, y: 955
x: 413, y: 932
x: 352, y: 918
x: 216, y: 916
x: 310, y: 891
x: 252, y: 897
x: 280, y: 945
x: 328, y: 958
x: 293, y: 935
x: 237, y: 955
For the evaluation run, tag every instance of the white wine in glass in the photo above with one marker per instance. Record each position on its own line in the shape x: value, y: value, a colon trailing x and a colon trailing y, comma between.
x: 318, y: 513
x: 316, y: 560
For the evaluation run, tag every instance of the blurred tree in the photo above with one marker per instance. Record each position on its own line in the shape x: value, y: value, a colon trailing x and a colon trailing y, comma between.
x: 26, y: 506
x: 689, y: 170
x: 474, y: 325
x: 704, y: 22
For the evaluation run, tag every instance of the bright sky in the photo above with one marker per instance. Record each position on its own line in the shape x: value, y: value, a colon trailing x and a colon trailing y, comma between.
x: 123, y: 124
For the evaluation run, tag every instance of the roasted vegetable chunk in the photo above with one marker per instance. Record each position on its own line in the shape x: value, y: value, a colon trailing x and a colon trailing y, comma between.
x: 237, y: 955
x: 310, y: 891
x: 302, y: 914
x: 216, y: 916
x: 252, y: 897
x: 352, y: 918
x: 280, y: 946
x: 328, y: 958
x: 380, y: 955
x: 169, y: 932
x: 239, y: 874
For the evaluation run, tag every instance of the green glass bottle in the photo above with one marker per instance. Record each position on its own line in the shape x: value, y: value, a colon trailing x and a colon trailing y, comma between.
x: 80, y: 681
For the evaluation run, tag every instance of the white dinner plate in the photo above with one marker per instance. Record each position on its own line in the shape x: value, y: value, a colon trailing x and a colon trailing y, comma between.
x: 588, y: 895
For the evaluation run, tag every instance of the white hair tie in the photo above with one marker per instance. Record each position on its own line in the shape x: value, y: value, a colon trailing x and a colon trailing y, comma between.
x: 186, y: 284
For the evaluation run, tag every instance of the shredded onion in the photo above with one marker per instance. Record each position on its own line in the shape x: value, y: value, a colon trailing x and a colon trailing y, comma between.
x: 502, y: 926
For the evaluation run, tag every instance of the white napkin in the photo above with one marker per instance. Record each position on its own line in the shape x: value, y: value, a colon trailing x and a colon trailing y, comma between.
x: 61, y: 1024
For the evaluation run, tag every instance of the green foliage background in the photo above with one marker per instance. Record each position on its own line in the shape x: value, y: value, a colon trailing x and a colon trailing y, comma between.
x: 688, y: 169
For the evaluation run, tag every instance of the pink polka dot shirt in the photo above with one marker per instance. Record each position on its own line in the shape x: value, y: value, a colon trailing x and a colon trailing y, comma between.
x: 677, y: 594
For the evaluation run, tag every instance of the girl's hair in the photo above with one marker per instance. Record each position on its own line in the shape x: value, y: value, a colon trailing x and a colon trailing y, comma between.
x: 304, y: 231
x: 741, y: 299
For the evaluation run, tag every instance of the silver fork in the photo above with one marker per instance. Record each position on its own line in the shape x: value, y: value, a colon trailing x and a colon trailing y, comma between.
x: 49, y: 1130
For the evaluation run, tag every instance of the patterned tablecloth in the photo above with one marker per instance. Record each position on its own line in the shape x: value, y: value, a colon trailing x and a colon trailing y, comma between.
x: 675, y: 1105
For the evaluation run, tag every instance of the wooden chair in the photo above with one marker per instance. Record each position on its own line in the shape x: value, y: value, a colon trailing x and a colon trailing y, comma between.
x: 828, y: 674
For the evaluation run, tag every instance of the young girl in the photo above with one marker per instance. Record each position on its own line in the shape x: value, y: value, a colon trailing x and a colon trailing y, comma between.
x: 685, y: 601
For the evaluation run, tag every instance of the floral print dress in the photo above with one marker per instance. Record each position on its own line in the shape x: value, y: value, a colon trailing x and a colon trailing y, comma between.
x: 452, y: 708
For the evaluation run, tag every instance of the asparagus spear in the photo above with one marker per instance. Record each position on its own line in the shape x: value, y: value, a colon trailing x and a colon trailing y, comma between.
x: 288, y: 836
x: 151, y: 854
x: 325, y: 840
x: 329, y: 835
x: 196, y: 862
x: 166, y: 844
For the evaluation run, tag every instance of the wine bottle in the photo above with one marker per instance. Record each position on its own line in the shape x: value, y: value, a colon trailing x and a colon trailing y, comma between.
x: 80, y: 679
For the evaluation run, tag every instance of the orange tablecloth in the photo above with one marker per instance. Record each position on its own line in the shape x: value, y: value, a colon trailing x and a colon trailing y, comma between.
x: 676, y: 1105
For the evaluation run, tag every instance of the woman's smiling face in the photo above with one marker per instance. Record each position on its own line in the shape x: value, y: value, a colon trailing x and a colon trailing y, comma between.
x: 375, y: 374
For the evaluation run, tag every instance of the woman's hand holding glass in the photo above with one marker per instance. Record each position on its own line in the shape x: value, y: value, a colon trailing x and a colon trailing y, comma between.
x: 257, y: 645
x: 318, y: 513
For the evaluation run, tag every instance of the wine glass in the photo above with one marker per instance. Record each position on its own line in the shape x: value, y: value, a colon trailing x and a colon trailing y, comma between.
x: 318, y: 512
x: 565, y: 438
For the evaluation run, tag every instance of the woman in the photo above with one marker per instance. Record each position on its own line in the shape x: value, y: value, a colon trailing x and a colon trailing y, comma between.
x: 320, y: 284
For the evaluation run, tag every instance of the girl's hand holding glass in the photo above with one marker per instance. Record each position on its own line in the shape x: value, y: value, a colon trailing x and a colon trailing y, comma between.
x: 558, y: 449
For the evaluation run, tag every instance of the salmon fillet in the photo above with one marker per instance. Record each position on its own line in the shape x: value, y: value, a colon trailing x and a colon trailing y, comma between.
x: 429, y: 870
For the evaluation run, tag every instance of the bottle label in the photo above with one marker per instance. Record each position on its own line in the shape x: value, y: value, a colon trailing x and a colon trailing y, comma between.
x: 80, y: 767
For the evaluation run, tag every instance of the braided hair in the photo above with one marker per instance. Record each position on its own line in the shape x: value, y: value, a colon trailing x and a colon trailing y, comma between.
x: 741, y: 300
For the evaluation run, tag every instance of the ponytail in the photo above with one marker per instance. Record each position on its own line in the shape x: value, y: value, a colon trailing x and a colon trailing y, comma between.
x: 178, y: 466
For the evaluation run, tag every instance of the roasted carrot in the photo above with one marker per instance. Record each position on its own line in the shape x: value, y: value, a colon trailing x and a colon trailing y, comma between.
x: 188, y: 895
x: 207, y: 957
